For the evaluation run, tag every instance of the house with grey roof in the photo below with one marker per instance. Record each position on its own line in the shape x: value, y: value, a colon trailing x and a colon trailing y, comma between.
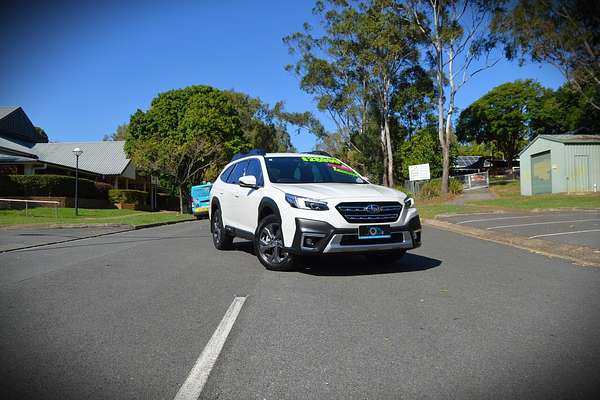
x: 23, y: 152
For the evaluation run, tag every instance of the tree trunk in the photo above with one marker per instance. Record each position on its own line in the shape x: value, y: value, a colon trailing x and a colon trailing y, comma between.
x: 180, y: 200
x: 385, y: 156
x: 441, y: 133
x: 390, y: 154
x: 446, y: 163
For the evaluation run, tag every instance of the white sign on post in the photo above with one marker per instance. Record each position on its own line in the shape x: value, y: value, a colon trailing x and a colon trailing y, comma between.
x: 419, y: 172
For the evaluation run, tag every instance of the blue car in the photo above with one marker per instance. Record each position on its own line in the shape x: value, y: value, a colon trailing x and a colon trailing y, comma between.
x: 200, y: 198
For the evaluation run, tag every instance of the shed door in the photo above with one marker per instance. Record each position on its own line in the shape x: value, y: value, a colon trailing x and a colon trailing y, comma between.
x: 582, y: 173
x: 541, y: 175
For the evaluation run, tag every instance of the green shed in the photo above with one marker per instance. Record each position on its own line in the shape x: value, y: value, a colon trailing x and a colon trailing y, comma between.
x: 560, y: 163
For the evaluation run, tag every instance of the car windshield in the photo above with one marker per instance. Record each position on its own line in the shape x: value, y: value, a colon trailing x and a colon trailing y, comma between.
x: 310, y: 169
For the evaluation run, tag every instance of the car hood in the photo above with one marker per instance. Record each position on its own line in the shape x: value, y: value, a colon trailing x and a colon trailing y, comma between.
x: 325, y: 191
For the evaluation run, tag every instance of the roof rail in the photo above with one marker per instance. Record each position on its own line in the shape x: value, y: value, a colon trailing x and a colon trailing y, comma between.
x: 320, y: 153
x: 253, y: 152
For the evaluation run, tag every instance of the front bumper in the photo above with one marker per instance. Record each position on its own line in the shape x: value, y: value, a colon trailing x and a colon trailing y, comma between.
x: 318, y: 237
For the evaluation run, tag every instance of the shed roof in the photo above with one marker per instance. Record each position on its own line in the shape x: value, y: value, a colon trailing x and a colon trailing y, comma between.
x: 105, y: 158
x: 566, y: 139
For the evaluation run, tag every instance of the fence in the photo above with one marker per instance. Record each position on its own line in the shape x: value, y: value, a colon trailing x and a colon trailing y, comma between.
x: 474, y: 181
x: 10, y: 204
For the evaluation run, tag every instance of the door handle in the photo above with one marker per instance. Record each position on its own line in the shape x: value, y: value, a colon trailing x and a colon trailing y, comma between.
x: 236, y: 195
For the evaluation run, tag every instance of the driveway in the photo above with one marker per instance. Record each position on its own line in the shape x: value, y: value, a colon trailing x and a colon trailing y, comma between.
x: 127, y: 316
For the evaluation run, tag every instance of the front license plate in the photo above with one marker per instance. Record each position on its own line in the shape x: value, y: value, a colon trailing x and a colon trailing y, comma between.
x: 374, y: 232
x: 201, y: 209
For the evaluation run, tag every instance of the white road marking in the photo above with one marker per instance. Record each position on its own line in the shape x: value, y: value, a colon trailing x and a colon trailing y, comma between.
x: 496, y: 219
x: 193, y: 385
x: 543, y: 223
x: 564, y: 233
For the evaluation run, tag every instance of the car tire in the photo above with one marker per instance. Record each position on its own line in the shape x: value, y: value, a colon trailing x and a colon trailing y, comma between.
x: 268, y: 246
x: 221, y: 239
x: 388, y: 257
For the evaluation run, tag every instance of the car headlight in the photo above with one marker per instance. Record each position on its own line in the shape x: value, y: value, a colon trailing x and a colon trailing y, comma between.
x: 409, y: 202
x: 306, y: 203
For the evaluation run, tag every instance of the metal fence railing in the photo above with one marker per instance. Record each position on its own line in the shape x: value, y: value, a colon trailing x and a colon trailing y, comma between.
x: 18, y: 204
x: 478, y: 180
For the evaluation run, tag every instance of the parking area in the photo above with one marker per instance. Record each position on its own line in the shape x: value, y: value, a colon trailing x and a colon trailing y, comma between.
x: 576, y: 227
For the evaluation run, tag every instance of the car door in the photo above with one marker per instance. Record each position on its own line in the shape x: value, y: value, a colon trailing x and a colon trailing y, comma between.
x: 248, y: 199
x: 230, y: 195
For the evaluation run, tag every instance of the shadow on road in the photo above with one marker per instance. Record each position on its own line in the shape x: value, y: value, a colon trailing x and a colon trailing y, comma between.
x: 352, y: 265
x: 346, y: 265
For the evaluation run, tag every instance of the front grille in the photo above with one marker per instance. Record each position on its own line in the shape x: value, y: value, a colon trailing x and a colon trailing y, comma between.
x: 353, y: 240
x: 357, y: 213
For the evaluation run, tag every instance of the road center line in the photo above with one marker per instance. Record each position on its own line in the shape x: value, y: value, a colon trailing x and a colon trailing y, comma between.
x: 193, y: 385
x: 563, y: 233
x: 496, y: 219
x: 543, y: 223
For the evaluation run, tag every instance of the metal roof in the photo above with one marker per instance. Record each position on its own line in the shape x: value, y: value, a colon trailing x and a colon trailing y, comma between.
x: 566, y: 139
x: 10, y: 159
x: 14, y: 146
x: 4, y: 111
x: 105, y: 158
x: 572, y: 139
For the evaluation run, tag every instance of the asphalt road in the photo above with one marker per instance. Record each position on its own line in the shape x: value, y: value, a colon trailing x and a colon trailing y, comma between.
x: 126, y: 316
x: 572, y: 227
x: 20, y: 238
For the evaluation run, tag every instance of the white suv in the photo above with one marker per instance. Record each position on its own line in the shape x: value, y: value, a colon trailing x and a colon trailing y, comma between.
x: 292, y: 205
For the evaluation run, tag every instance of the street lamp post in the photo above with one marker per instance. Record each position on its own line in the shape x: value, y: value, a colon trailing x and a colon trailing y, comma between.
x: 77, y: 151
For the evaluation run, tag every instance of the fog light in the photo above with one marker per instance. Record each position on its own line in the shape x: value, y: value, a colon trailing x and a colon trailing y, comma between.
x: 311, y: 241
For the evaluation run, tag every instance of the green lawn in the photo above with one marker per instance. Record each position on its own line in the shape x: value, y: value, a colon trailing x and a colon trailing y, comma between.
x: 87, y: 216
x: 509, y: 198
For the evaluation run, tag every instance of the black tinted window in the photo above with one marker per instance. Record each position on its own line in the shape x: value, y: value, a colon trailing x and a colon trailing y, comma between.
x: 255, y: 169
x: 226, y: 173
x: 237, y: 172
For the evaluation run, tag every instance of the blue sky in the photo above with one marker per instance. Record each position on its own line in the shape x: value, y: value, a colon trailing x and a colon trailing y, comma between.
x: 81, y: 69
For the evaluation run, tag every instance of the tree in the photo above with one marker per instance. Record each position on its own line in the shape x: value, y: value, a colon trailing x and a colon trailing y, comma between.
x: 40, y: 135
x: 455, y: 34
x: 423, y: 147
x: 563, y: 33
x: 119, y: 134
x: 502, y: 117
x: 267, y: 127
x: 186, y: 134
x: 565, y: 110
x: 355, y: 63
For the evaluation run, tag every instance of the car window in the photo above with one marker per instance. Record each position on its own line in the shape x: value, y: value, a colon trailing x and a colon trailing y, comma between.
x: 255, y: 169
x: 310, y: 169
x: 238, y: 171
x: 226, y: 173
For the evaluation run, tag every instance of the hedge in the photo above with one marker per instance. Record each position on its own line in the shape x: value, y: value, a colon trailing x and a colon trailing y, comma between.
x: 127, y: 196
x: 51, y: 185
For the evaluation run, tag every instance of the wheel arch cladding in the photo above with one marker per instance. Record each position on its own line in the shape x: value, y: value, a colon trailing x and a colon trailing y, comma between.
x: 267, y: 207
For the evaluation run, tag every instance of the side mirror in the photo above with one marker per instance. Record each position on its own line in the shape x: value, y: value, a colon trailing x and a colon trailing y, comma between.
x: 248, y: 181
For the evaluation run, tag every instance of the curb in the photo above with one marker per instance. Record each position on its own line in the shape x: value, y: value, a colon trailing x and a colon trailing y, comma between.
x: 581, y: 255
x: 126, y: 227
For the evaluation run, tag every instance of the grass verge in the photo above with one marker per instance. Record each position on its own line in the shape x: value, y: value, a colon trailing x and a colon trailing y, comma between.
x: 87, y: 216
x: 508, y: 198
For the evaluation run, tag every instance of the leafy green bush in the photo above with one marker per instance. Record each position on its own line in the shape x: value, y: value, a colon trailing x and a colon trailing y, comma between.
x: 455, y: 186
x: 433, y: 188
x: 127, y: 196
x: 51, y: 185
